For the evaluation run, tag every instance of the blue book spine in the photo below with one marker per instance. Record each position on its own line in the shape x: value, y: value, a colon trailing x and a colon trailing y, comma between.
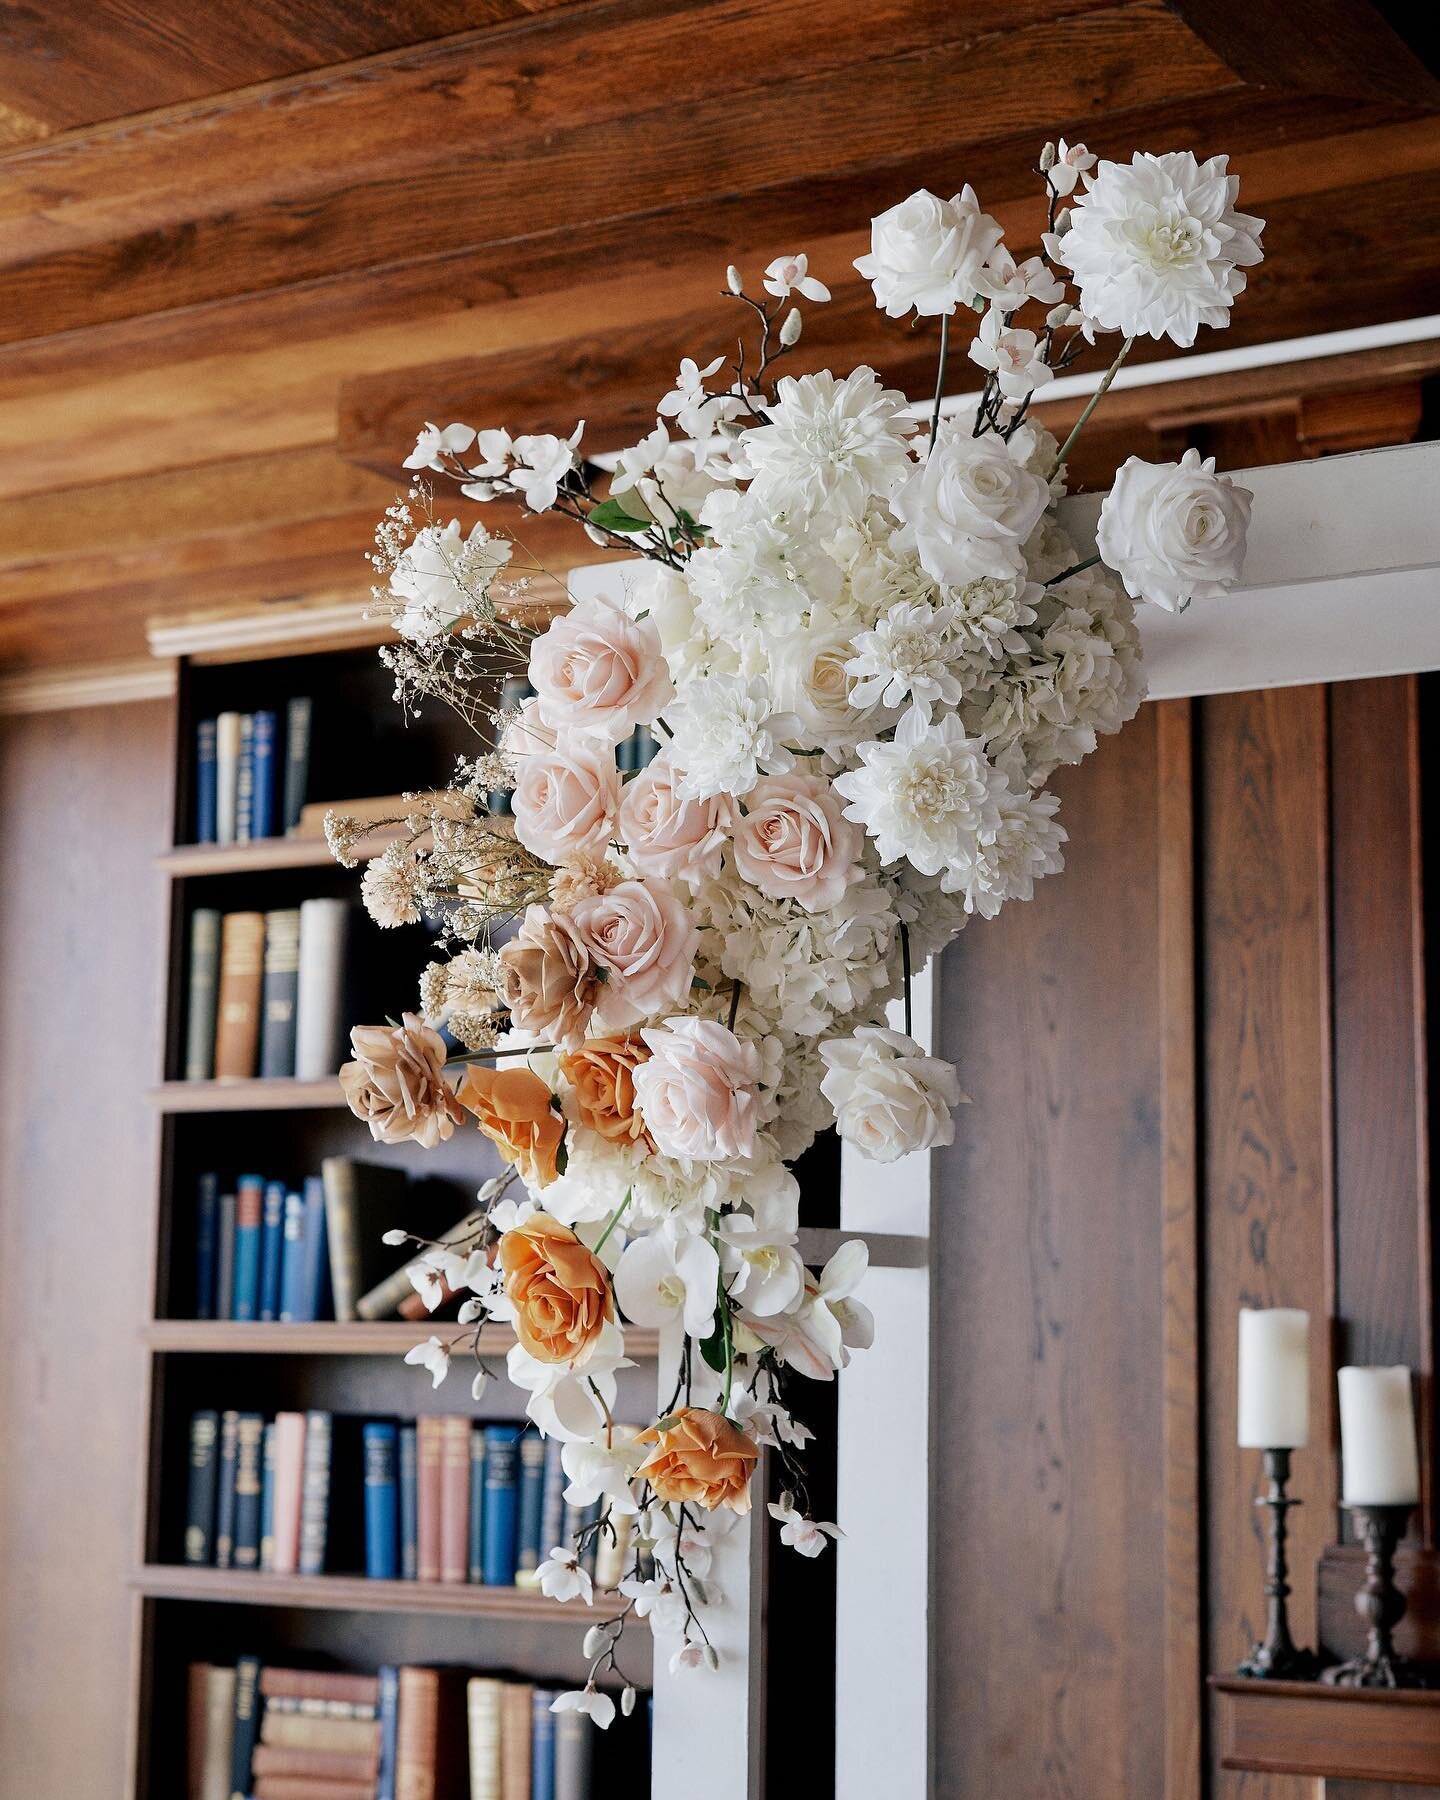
x: 267, y: 1499
x: 389, y: 1732
x: 200, y: 1490
x: 247, y: 1725
x: 225, y: 1493
x: 249, y: 1456
x: 382, y: 1509
x: 249, y: 1220
x: 297, y: 758
x: 206, y: 819
x: 502, y: 1493
x: 245, y: 781
x: 292, y: 1259
x: 552, y: 1511
x: 225, y: 1259
x: 263, y: 755
x: 542, y: 1744
x: 207, y: 1243
x: 409, y: 1504
x: 476, y: 1557
x: 272, y: 1250
x: 532, y: 1502
x: 317, y: 1252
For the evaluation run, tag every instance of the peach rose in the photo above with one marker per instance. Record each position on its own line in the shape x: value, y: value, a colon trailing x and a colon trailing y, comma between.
x: 560, y: 1290
x: 795, y: 843
x: 547, y: 978
x: 598, y: 671
x: 698, y: 1092
x: 397, y: 1083
x: 512, y: 1107
x: 566, y: 800
x: 642, y: 935
x: 665, y: 835
x: 700, y: 1459
x: 601, y: 1073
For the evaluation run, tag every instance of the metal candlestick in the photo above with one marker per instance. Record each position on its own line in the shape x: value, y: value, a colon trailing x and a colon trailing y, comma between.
x: 1382, y: 1606
x: 1278, y: 1658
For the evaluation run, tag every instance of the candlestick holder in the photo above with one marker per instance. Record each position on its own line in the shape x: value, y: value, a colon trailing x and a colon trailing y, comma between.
x: 1278, y: 1658
x: 1382, y: 1606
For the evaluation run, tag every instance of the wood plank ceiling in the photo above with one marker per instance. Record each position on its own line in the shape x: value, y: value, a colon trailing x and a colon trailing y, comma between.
x: 244, y: 251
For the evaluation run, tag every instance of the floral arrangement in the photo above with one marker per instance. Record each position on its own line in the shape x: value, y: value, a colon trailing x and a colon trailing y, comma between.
x: 860, y: 644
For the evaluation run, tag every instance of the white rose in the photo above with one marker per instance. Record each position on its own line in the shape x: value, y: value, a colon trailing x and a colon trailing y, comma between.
x: 971, y: 506
x: 889, y: 1097
x: 928, y: 253
x: 1174, y: 532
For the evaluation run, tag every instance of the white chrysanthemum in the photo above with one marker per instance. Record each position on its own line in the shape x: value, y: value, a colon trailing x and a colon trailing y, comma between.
x: 910, y: 655
x: 989, y: 615
x: 1156, y: 246
x: 830, y: 445
x: 1007, y: 865
x: 927, y: 797
x: 727, y: 734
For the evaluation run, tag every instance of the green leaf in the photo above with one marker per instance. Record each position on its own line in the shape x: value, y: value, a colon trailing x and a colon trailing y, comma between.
x: 610, y: 515
x: 713, y: 1350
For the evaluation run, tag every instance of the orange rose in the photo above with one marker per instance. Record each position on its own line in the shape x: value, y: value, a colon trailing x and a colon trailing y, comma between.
x: 600, y: 1072
x: 700, y: 1457
x: 559, y: 1289
x: 512, y: 1107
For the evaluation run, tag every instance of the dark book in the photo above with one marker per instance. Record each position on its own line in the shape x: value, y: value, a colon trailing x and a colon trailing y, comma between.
x: 515, y: 690
x: 201, y: 1488
x: 625, y: 755
x: 250, y: 1444
x: 247, y: 1725
x: 552, y: 1508
x: 542, y: 1744
x: 475, y: 1562
x: 573, y: 1747
x: 225, y: 1491
x: 237, y: 1012
x: 362, y: 1202
x: 201, y: 994
x: 272, y: 1250
x: 315, y: 1494
x: 381, y: 1442
x: 207, y: 1243
x: 409, y: 1504
x: 315, y: 1281
x: 528, y: 1548
x: 388, y: 1296
x: 647, y: 747
x: 267, y: 1497
x: 297, y: 759
x: 389, y: 1727
x: 205, y: 791
x: 279, y: 991
x: 429, y: 1441
x: 225, y: 1258
x: 245, y: 781
x: 292, y: 1260
x: 502, y: 1456
x: 431, y: 1750
x: 249, y: 1219
x: 264, y: 754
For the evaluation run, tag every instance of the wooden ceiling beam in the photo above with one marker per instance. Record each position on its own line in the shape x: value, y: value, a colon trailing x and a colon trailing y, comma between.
x: 1336, y: 47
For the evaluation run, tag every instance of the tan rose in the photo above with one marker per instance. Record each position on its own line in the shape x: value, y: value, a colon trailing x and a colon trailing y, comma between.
x: 512, y: 1108
x: 701, y: 1458
x: 547, y: 978
x: 559, y: 1289
x: 397, y: 1083
x: 601, y: 1073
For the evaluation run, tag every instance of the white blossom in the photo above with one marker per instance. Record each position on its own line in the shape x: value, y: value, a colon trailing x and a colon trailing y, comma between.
x: 1174, y: 532
x: 431, y: 1356
x: 889, y: 1096
x: 433, y: 446
x: 830, y: 444
x: 928, y: 253
x: 727, y: 734
x: 910, y: 655
x: 791, y: 274
x: 1015, y: 357
x: 563, y: 1576
x: 591, y: 1701
x: 927, y: 795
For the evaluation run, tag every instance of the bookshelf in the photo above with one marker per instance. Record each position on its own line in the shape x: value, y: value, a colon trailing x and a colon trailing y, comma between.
x: 353, y: 1370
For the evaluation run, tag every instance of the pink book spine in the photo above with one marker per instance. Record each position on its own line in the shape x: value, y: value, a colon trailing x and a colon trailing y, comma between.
x: 289, y: 1476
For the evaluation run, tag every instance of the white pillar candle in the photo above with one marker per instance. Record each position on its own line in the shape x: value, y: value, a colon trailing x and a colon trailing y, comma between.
x: 1274, y: 1378
x: 1378, y: 1452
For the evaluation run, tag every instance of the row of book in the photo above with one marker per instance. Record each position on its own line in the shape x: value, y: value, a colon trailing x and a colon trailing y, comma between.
x: 249, y: 782
x: 273, y: 1251
x: 441, y: 1498
x: 257, y: 1732
x: 266, y: 992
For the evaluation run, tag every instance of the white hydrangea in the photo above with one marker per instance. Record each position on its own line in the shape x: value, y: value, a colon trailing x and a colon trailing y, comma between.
x: 727, y: 733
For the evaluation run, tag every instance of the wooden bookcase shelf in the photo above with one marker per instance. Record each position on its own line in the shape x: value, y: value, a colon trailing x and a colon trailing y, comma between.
x: 356, y: 1593
x: 247, y: 1096
x: 263, y: 854
x: 381, y: 1337
x: 1303, y: 1728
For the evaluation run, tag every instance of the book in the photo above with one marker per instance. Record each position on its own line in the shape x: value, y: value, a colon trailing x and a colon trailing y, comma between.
x: 475, y: 1551
x: 288, y: 1490
x: 315, y: 1280
x: 297, y: 759
x: 219, y: 1734
x: 249, y: 1446
x: 325, y: 1766
x: 247, y: 1724
x: 320, y: 1026
x: 245, y: 781
x: 332, y: 1687
x: 501, y: 1503
x: 205, y: 820
x: 267, y: 1497
x: 227, y: 775
x: 225, y: 1214
x: 409, y: 1504
x: 315, y: 1494
x: 542, y: 1744
x: 272, y: 1250
x: 292, y: 1260
x: 454, y: 1498
x: 552, y: 1504
x: 482, y: 1707
x: 530, y: 1508
x: 516, y: 1725
x: 428, y: 1441
x: 249, y: 1217
x: 201, y: 1486
x: 386, y: 1296
x: 225, y: 1490
x: 310, y: 1787
x: 264, y: 753
x: 362, y: 1201
x: 237, y: 1011
x: 389, y: 1680
x: 201, y: 993
x: 381, y: 1443
x: 207, y: 1243
x: 574, y: 1750
x: 431, y: 1756
x: 279, y: 990
x: 288, y: 1727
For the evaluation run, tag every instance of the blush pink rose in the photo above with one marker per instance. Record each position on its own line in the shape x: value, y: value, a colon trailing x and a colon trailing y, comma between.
x: 698, y: 1093
x: 599, y: 671
x: 665, y: 835
x: 643, y: 938
x: 566, y: 800
x: 795, y: 843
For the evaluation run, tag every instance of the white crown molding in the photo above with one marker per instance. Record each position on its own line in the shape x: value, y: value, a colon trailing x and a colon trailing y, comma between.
x: 88, y: 684
x: 268, y: 627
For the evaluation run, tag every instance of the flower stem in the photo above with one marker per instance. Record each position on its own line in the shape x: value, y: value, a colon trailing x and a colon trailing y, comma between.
x: 1093, y: 402
x: 940, y: 379
x: 905, y: 967
x: 1074, y: 569
x: 735, y: 992
x: 614, y: 1220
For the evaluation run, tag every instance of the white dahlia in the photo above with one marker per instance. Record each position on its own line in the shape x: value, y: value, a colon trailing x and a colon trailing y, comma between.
x: 830, y: 445
x: 928, y: 796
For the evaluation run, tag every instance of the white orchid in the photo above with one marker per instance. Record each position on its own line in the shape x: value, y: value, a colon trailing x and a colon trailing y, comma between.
x: 602, y: 1472
x: 571, y: 1403
x: 434, y: 445
x: 1015, y: 357
x: 763, y: 1268
x: 563, y: 1576
x: 541, y: 463
x: 808, y: 1536
x: 1071, y: 162
x: 659, y: 1281
x: 791, y: 274
x: 433, y: 1357
x: 590, y: 1701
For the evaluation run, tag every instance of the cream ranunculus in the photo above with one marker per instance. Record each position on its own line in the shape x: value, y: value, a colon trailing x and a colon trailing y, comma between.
x: 566, y: 800
x: 928, y: 253
x: 642, y: 936
x: 795, y: 843
x: 971, y: 507
x: 889, y: 1097
x: 698, y: 1094
x: 600, y: 672
x: 1174, y: 532
x: 664, y: 834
